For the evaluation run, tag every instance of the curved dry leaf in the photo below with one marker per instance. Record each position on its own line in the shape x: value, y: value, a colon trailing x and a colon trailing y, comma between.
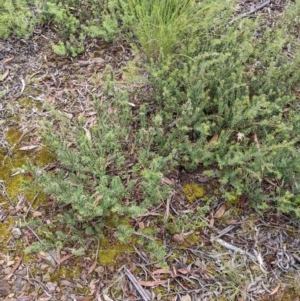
x: 29, y: 147
x: 106, y: 298
x: 92, y: 268
x: 186, y: 297
x: 82, y: 298
x: 255, y: 139
x: 214, y: 138
x: 5, y: 75
x: 152, y: 283
x: 7, y: 60
x: 37, y: 214
x: 161, y: 271
x: 63, y: 259
x: 220, y: 211
x: 275, y: 290
x: 167, y: 181
x: 183, y: 271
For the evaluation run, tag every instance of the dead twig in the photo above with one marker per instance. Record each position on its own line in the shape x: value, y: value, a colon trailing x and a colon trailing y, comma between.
x: 250, y: 12
x: 139, y: 289
x: 240, y: 251
x: 223, y: 232
x: 167, y: 212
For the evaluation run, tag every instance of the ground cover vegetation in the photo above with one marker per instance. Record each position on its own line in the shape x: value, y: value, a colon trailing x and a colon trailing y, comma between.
x: 215, y: 93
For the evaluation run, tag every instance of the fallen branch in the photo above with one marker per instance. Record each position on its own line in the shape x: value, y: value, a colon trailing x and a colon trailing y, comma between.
x: 256, y: 260
x: 140, y: 290
x: 250, y: 12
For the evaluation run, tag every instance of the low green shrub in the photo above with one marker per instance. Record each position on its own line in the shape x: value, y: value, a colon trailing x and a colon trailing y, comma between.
x: 231, y: 103
x: 224, y: 98
x: 18, y: 17
x: 75, y: 21
x: 99, y: 177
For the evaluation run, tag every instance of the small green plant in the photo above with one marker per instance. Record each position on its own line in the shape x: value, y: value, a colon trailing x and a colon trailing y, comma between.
x: 18, y: 17
x: 97, y: 179
x: 77, y: 20
x: 73, y: 20
x: 160, y: 26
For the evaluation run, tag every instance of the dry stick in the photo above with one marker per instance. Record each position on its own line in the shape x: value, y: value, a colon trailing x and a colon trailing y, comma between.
x: 167, y: 213
x: 234, y: 248
x: 34, y: 199
x: 250, y: 12
x: 257, y: 260
x: 223, y: 232
x: 140, y: 290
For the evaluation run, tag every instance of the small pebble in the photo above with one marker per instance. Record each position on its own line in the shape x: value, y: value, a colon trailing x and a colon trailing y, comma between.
x: 178, y: 238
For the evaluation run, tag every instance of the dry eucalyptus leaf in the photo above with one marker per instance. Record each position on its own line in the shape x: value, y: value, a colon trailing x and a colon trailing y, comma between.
x: 186, y: 297
x: 10, y: 263
x: 5, y: 74
x: 106, y: 298
x: 141, y: 225
x: 7, y: 60
x: 92, y: 268
x: 29, y: 147
x: 214, y: 138
x: 166, y: 180
x: 220, y: 211
x: 275, y: 290
x: 68, y: 283
x: 37, y: 214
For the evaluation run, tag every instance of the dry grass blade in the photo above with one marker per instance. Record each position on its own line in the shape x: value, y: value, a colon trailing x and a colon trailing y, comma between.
x: 5, y: 75
x: 252, y: 11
